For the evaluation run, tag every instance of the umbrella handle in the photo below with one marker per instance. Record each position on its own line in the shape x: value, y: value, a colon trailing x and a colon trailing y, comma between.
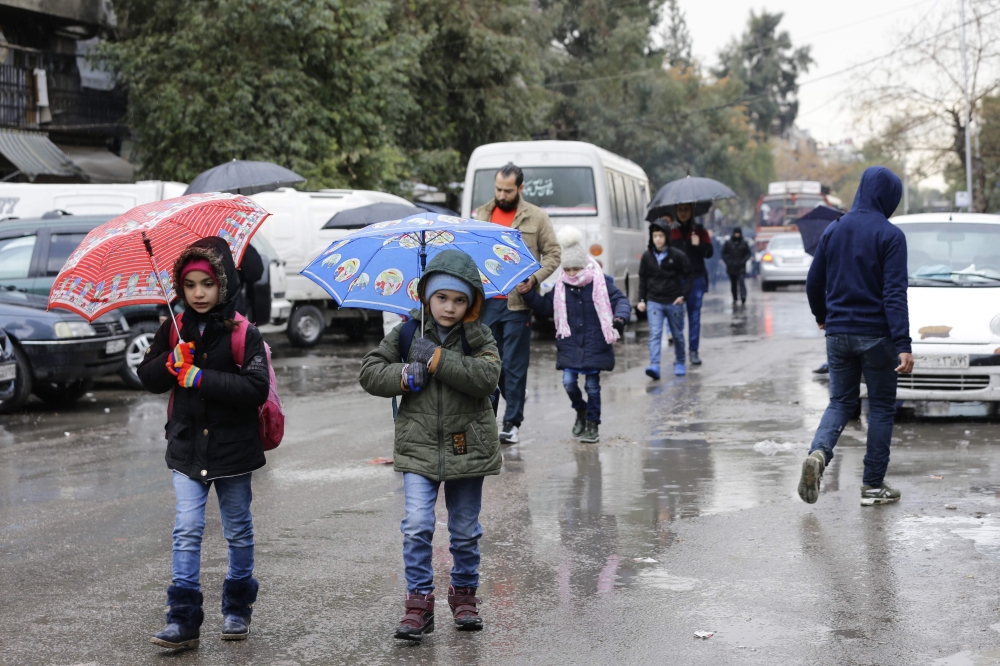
x: 156, y: 272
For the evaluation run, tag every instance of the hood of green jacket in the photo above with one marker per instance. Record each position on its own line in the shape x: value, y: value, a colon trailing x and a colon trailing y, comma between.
x: 457, y: 264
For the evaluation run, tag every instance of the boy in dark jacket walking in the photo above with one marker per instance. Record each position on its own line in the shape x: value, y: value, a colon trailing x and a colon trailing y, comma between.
x: 590, y: 315
x: 857, y: 288
x: 692, y: 239
x: 446, y: 431
x: 665, y: 279
x: 735, y: 253
x: 212, y: 436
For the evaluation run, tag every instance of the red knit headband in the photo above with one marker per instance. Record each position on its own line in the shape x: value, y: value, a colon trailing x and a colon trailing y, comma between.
x: 199, y: 265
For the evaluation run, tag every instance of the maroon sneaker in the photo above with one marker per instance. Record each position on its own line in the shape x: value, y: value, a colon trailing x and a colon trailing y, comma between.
x: 419, y: 618
x: 463, y: 602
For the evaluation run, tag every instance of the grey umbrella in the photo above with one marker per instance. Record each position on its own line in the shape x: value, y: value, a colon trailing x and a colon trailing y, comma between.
x: 243, y: 177
x: 699, y: 192
x: 362, y: 216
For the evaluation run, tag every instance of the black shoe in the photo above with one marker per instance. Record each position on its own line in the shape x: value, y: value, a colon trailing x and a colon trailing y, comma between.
x: 591, y: 434
x: 177, y: 637
x: 581, y: 423
x: 695, y: 359
x: 509, y: 434
x: 184, y: 619
x: 238, y: 598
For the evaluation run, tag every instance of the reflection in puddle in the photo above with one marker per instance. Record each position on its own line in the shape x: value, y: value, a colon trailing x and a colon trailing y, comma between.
x: 970, y: 658
x: 664, y: 581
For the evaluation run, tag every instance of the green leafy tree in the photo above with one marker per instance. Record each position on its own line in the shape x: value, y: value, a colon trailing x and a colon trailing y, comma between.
x: 765, y: 61
x: 677, y: 38
x: 316, y: 85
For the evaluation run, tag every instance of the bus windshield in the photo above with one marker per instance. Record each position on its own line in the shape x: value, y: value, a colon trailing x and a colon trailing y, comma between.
x: 783, y: 209
x: 560, y: 191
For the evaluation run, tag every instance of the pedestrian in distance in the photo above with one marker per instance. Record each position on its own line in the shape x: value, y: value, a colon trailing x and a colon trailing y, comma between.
x: 212, y: 436
x: 691, y: 238
x: 507, y: 316
x: 735, y: 254
x: 446, y: 432
x: 590, y: 314
x: 857, y: 291
x: 665, y: 280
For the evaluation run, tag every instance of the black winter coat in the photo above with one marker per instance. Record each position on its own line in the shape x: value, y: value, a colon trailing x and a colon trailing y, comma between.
x: 735, y: 254
x: 212, y: 431
x: 663, y: 282
x: 585, y: 348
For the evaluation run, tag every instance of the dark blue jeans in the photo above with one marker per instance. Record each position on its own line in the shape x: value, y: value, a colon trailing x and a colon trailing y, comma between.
x: 592, y: 384
x: 673, y: 316
x: 235, y: 495
x: 698, y: 288
x: 849, y: 356
x: 463, y: 498
x: 512, y: 331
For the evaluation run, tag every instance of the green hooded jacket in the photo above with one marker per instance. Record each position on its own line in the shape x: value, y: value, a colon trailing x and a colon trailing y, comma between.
x: 447, y: 430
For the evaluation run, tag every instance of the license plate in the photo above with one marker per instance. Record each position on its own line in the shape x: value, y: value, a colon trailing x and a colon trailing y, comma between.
x: 941, y: 361
x: 792, y: 260
x: 8, y: 371
x: 114, y: 346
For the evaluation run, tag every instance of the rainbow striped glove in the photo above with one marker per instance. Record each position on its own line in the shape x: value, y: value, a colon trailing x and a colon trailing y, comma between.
x: 189, y: 376
x: 183, y: 354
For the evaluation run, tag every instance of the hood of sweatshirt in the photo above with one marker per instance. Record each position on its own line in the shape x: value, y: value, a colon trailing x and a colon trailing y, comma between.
x: 879, y: 192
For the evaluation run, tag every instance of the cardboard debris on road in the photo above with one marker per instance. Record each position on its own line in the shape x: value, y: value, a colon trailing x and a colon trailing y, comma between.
x: 380, y: 461
x: 648, y: 560
x: 704, y: 634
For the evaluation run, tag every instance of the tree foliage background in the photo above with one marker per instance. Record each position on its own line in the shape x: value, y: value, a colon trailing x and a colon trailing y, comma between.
x: 380, y: 93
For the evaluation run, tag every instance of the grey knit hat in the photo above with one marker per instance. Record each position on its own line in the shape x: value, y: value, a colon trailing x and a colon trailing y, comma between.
x: 574, y: 255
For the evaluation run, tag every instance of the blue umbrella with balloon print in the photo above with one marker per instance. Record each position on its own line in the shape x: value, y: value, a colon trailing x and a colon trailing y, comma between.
x: 378, y: 267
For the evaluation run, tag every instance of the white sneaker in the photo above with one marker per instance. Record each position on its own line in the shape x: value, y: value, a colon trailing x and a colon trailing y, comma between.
x: 508, y: 433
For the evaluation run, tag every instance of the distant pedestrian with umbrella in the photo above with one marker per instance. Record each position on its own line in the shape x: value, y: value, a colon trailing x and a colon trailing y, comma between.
x: 682, y: 200
x: 509, y: 317
x: 735, y: 254
x: 446, y: 431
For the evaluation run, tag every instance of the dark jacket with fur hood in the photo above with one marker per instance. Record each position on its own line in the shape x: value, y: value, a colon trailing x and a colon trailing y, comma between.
x: 212, y: 431
x: 664, y: 281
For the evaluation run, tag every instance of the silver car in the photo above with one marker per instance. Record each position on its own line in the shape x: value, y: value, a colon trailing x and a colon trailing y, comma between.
x: 784, y: 262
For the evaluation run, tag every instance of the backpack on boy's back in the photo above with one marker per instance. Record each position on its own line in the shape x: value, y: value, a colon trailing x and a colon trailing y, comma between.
x: 271, y: 415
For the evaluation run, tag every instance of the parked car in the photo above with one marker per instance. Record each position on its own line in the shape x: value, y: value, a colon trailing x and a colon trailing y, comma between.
x: 33, y: 251
x: 8, y: 368
x: 296, y: 230
x: 784, y: 262
x: 57, y: 352
x: 953, y: 262
x: 31, y: 200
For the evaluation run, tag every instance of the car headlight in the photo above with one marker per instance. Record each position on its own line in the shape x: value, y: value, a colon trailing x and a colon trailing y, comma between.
x: 995, y: 325
x: 73, y: 329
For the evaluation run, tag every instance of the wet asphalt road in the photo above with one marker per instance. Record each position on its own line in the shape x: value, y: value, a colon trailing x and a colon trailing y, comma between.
x: 684, y: 518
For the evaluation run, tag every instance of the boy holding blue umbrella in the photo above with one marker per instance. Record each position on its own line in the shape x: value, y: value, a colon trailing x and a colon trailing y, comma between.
x: 446, y: 431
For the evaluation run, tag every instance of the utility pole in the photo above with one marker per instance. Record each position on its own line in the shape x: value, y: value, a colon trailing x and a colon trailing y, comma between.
x: 968, y: 128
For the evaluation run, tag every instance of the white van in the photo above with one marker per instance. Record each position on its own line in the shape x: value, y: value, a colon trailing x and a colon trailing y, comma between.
x: 295, y: 229
x: 32, y: 200
x: 602, y: 194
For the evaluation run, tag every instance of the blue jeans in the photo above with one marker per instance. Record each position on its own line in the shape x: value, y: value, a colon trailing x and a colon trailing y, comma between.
x: 463, y: 497
x: 592, y: 384
x: 673, y: 316
x: 512, y: 331
x: 235, y: 496
x: 849, y: 356
x: 693, y: 302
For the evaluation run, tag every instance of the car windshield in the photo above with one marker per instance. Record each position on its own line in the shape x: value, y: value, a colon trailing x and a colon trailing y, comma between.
x: 790, y: 242
x: 561, y: 191
x: 953, y: 254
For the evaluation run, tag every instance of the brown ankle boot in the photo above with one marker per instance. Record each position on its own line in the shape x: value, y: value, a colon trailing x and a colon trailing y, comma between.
x: 419, y: 618
x: 463, y: 602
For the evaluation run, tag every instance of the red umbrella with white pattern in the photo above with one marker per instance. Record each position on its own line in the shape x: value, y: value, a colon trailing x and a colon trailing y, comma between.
x: 128, y: 260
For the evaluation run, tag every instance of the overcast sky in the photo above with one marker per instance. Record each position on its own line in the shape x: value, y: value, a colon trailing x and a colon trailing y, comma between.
x: 841, y: 33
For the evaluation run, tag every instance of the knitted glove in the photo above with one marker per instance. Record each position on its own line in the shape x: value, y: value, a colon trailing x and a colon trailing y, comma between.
x: 416, y: 375
x: 183, y: 354
x: 619, y: 325
x: 189, y: 376
x: 423, y: 350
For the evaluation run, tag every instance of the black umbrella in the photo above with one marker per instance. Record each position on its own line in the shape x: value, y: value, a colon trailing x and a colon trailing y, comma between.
x: 699, y: 192
x: 356, y: 218
x: 242, y: 177
x: 814, y: 223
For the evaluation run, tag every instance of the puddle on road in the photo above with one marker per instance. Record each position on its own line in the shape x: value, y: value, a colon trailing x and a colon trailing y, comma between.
x: 928, y: 532
x: 970, y: 658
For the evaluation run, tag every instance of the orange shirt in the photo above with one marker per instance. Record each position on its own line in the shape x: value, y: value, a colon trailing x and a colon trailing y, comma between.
x: 504, y: 217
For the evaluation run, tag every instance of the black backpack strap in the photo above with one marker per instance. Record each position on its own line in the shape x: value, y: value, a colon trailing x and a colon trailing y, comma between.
x: 466, y: 347
x: 406, y: 333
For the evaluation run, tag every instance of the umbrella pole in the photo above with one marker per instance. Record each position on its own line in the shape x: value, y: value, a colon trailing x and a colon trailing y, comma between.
x: 156, y: 272
x: 423, y: 266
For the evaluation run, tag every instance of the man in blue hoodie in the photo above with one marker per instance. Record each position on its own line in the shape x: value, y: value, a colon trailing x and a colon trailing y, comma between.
x: 857, y: 292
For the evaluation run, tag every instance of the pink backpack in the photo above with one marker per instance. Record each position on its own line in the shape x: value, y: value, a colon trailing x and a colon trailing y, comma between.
x: 271, y: 418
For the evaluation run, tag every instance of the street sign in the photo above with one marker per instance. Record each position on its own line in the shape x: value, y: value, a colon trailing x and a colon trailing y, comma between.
x: 963, y: 200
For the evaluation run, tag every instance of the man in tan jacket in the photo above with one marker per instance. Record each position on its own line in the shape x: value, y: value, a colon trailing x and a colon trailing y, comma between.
x: 507, y: 316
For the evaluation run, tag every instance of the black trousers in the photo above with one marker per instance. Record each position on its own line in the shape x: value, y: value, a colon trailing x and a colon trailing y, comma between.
x: 738, y: 285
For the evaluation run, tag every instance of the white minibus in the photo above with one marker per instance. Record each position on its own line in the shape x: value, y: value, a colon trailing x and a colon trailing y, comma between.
x: 602, y: 194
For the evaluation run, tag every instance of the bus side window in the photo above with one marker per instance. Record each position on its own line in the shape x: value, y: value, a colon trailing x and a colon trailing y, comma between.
x: 633, y: 210
x: 612, y: 199
x: 623, y: 217
x: 640, y: 201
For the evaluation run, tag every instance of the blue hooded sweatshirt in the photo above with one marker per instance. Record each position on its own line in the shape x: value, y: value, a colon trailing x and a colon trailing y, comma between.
x: 857, y: 281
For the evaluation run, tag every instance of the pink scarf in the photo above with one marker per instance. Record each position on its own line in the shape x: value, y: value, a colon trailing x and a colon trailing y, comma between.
x: 602, y: 303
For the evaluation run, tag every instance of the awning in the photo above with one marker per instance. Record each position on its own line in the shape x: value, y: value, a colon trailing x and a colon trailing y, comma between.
x: 34, y: 155
x: 100, y: 165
